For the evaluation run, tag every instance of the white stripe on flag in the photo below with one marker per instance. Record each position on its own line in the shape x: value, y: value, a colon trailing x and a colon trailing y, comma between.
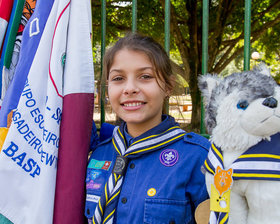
x: 79, y: 67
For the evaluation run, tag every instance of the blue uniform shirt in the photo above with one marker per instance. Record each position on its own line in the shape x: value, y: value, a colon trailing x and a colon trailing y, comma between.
x: 153, y: 191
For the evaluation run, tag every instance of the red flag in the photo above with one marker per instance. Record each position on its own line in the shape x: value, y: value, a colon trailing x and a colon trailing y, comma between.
x: 5, y: 12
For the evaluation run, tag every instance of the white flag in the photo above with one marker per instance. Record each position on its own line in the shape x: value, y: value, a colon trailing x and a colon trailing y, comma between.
x: 28, y: 160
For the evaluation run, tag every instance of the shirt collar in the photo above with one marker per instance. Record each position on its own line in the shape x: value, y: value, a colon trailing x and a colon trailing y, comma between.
x: 128, y: 138
x: 167, y: 122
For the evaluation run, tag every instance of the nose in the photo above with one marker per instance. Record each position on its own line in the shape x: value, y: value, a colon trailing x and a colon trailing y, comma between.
x: 270, y: 102
x: 131, y: 87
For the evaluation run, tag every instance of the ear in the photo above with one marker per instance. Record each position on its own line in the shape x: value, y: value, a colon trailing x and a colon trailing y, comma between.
x: 206, y: 84
x: 263, y: 69
x: 219, y: 169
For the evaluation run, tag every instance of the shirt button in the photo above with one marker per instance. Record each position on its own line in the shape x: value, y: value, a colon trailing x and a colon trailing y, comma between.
x: 132, y: 165
x: 189, y: 136
x: 124, y: 200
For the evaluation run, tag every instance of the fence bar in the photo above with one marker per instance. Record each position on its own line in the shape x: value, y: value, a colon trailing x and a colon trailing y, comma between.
x: 204, y: 69
x: 102, y: 77
x: 167, y: 40
x: 134, y: 16
x: 167, y: 27
x: 247, y: 34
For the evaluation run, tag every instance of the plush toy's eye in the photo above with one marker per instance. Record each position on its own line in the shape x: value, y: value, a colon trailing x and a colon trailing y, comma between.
x: 242, y: 104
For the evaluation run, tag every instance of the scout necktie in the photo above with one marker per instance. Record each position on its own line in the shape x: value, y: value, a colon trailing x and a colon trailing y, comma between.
x: 105, y: 209
x: 257, y: 163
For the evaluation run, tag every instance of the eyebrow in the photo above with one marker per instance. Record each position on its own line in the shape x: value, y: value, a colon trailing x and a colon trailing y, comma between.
x: 140, y: 69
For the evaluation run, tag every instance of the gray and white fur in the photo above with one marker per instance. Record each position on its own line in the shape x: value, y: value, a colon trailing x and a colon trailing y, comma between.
x: 241, y: 110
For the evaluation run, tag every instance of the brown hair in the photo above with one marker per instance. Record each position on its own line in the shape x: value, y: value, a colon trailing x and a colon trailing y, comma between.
x: 147, y: 45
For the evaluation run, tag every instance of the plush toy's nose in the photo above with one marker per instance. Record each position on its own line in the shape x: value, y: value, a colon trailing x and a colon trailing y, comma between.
x: 270, y: 102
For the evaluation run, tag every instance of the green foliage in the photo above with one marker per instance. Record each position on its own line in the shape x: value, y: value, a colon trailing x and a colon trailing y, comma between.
x: 226, y: 33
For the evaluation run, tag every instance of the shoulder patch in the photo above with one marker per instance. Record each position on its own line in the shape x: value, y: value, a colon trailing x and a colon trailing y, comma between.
x: 197, y: 139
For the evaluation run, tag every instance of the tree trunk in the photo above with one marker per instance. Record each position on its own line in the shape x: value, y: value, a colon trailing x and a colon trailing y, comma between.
x: 196, y: 105
x: 194, y: 62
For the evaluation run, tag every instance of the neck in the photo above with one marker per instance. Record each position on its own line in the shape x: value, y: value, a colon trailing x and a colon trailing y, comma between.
x: 136, y: 129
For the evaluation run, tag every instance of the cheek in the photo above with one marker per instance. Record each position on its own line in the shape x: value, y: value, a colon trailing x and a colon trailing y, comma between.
x: 112, y: 99
x: 112, y: 91
x: 161, y: 95
x: 158, y: 99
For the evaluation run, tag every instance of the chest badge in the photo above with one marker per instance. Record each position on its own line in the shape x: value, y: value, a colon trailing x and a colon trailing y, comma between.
x: 169, y: 157
x: 151, y: 192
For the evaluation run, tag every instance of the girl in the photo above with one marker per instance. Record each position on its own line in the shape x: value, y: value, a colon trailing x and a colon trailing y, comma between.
x: 149, y: 170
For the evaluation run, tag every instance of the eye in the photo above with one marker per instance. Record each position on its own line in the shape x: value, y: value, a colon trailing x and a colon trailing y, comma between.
x: 117, y: 78
x: 242, y: 104
x: 146, y: 76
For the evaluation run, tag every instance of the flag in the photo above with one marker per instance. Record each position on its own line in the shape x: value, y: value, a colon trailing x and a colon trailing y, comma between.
x: 5, y: 12
x: 10, y: 36
x: 28, y: 160
x: 77, y: 118
x: 10, y: 65
x: 30, y: 40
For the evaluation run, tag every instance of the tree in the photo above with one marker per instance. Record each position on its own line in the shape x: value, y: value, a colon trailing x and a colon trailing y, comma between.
x: 226, y: 33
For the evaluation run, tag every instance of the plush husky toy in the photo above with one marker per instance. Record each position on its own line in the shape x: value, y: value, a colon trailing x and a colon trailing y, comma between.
x: 242, y: 115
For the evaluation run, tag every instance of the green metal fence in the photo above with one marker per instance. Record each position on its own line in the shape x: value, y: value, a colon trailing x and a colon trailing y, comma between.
x: 205, y: 21
x: 247, y: 35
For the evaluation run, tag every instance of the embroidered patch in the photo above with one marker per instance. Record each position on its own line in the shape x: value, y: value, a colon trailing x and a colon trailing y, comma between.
x: 94, y: 179
x: 169, y: 157
x: 96, y: 164
x: 92, y: 198
x: 151, y: 192
x: 93, y: 174
x: 92, y: 185
x: 106, y: 165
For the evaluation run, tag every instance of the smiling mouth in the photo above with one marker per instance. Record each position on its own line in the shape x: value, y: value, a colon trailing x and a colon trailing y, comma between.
x: 134, y: 104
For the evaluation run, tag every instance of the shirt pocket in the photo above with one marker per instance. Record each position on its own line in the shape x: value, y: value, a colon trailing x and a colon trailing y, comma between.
x: 166, y: 211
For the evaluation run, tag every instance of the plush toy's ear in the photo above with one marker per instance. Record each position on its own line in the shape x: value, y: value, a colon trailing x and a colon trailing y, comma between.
x: 206, y: 84
x: 263, y: 69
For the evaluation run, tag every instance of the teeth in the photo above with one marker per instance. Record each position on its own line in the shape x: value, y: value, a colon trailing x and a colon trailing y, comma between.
x: 132, y: 104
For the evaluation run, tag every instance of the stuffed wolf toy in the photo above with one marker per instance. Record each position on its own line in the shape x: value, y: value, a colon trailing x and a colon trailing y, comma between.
x: 242, y: 115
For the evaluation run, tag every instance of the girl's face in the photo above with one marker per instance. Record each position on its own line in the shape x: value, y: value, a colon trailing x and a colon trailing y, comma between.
x: 134, y: 91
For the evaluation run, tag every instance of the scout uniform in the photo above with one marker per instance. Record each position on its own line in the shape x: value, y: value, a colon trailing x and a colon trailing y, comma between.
x: 163, y: 184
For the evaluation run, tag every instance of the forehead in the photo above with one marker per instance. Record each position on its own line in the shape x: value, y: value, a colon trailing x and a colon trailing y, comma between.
x: 127, y: 58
